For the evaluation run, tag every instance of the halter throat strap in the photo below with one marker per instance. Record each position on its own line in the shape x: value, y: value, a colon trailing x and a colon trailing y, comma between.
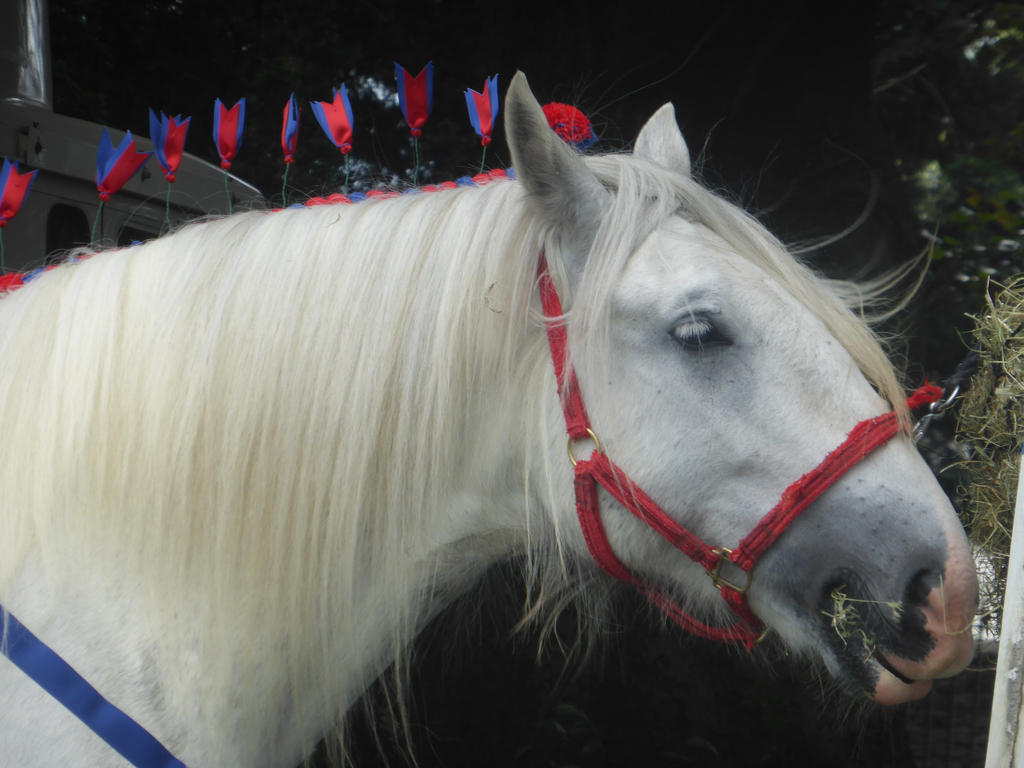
x: 730, y: 570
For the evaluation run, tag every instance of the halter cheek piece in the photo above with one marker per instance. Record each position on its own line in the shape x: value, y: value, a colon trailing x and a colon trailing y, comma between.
x: 729, y: 569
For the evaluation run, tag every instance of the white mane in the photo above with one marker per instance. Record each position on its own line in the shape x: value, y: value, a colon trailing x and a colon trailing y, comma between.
x: 251, y: 416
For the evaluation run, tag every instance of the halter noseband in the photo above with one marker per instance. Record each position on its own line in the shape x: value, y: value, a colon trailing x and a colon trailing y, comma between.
x: 598, y: 469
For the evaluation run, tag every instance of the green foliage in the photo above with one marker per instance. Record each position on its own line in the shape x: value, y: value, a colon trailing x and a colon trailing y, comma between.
x: 953, y: 101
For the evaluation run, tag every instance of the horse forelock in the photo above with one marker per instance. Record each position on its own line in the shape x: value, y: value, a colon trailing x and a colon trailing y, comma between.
x: 644, y: 196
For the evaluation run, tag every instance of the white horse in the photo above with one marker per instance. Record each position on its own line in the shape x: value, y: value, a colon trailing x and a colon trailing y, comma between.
x: 242, y: 465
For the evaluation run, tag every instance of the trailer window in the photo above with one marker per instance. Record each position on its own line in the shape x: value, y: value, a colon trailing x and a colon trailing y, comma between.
x: 66, y: 227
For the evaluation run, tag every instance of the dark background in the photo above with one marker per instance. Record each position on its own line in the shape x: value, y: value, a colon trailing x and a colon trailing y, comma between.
x: 861, y: 124
x: 874, y: 130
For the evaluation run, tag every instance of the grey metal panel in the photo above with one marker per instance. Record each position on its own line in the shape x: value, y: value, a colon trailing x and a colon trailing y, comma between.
x: 64, y: 150
x: 25, y: 52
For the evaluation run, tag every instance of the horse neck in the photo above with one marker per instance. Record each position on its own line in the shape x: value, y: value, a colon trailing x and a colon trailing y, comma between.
x: 322, y: 518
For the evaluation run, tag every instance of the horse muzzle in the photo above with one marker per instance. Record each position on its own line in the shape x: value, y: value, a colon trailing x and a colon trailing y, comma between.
x: 947, y: 608
x: 877, y: 578
x: 891, y: 638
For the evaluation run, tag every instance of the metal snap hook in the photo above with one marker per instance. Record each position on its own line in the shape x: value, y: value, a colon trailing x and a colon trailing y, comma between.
x: 935, y: 411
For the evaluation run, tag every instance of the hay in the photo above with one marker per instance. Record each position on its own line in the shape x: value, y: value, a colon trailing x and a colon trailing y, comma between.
x: 989, y: 428
x: 846, y: 620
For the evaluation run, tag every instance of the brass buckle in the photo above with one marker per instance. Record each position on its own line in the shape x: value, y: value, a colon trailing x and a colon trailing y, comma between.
x: 723, y: 554
x: 592, y: 436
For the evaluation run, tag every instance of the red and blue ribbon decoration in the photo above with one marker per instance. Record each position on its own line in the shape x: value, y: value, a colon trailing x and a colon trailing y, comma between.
x: 114, y: 166
x: 14, y: 189
x: 416, y: 100
x: 290, y: 129
x: 228, y: 125
x: 168, y: 135
x: 415, y: 96
x: 289, y: 140
x: 335, y: 118
x: 55, y: 676
x: 483, y: 111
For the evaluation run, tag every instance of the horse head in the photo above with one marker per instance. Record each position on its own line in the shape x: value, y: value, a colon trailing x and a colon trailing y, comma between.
x: 717, y: 371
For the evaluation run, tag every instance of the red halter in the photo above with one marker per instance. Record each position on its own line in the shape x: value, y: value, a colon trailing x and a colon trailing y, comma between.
x: 864, y: 438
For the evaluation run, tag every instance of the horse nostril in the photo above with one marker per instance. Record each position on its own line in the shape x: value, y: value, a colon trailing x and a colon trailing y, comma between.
x: 921, y: 585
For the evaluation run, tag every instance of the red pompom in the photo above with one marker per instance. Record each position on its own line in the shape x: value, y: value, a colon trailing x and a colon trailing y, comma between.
x: 571, y: 124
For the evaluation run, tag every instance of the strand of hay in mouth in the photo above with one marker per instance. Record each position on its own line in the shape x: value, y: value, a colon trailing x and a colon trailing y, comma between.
x: 846, y: 620
x: 989, y: 429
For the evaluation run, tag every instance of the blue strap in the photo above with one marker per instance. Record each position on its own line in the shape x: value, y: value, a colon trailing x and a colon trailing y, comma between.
x: 56, y: 677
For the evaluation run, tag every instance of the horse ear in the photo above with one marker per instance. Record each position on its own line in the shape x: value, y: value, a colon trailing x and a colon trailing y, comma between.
x: 561, y: 188
x: 661, y: 142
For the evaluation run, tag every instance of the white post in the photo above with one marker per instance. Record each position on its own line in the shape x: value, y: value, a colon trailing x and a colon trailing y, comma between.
x: 1006, y: 729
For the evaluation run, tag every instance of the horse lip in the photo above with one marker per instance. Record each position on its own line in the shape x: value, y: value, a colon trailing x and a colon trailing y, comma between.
x: 891, y: 688
x: 885, y: 664
x: 867, y: 668
x: 886, y: 680
x: 888, y: 686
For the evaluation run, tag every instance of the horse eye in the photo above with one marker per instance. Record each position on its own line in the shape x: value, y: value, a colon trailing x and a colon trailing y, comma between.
x: 695, y: 334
